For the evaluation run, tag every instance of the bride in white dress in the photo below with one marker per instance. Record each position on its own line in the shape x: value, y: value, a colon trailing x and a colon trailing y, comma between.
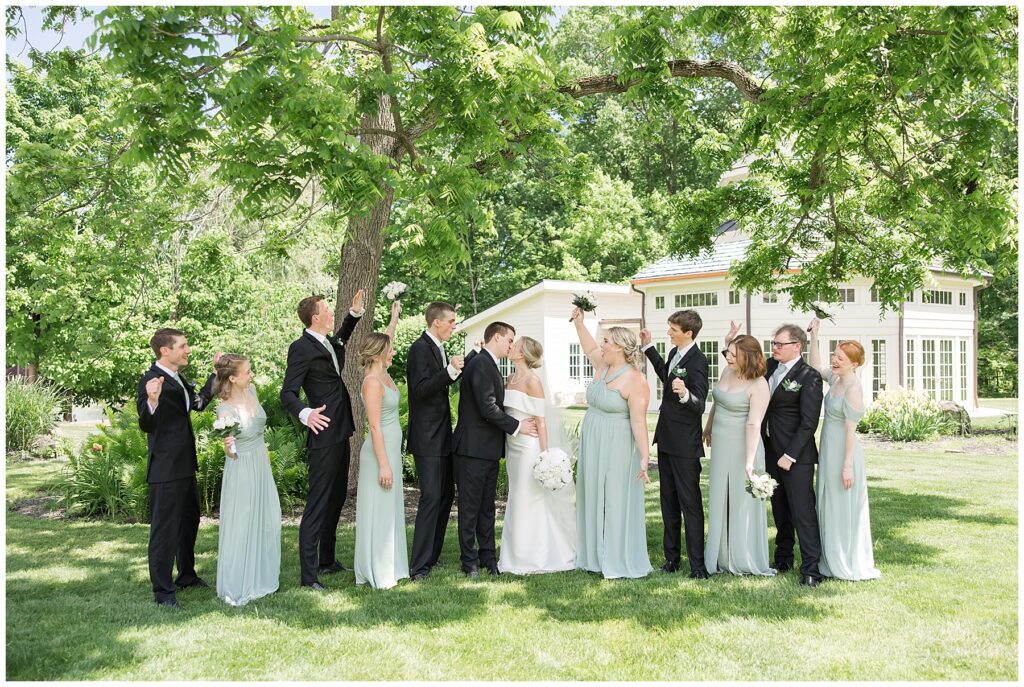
x: 539, y: 531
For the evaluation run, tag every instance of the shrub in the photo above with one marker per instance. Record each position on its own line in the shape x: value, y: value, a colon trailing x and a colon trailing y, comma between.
x: 901, y: 415
x: 33, y: 409
x: 108, y: 475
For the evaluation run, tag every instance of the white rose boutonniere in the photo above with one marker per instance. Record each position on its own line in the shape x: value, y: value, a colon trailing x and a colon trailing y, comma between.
x: 791, y: 385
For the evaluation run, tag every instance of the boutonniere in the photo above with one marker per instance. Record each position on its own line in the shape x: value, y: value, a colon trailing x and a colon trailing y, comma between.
x: 680, y: 371
x: 791, y: 385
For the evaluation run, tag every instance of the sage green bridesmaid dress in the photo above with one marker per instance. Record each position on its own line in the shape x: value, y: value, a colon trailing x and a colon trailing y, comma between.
x: 611, y: 527
x: 846, y: 548
x: 737, y: 522
x: 381, y: 558
x: 249, y: 546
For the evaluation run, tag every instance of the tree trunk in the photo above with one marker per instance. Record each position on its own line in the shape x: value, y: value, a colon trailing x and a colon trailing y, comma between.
x: 360, y: 269
x: 32, y: 371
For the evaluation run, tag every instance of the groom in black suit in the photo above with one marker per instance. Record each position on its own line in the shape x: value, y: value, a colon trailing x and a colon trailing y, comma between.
x: 430, y: 374
x: 789, y: 450
x: 164, y: 399
x: 678, y: 436
x: 479, y: 443
x: 315, y: 362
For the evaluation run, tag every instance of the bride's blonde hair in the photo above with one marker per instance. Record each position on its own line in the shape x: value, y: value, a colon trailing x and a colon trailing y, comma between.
x: 533, y: 352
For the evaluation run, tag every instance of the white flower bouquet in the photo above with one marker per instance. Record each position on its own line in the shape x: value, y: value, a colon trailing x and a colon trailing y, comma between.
x: 822, y: 311
x: 585, y: 301
x: 394, y: 290
x: 224, y: 427
x: 761, y: 486
x: 553, y: 469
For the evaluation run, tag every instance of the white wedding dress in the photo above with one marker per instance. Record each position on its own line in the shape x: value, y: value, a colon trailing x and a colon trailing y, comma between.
x: 539, y: 532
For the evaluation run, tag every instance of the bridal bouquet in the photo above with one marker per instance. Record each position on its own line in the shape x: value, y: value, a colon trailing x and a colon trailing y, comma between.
x: 761, y: 486
x: 822, y: 311
x: 585, y: 301
x: 552, y: 469
x: 394, y: 290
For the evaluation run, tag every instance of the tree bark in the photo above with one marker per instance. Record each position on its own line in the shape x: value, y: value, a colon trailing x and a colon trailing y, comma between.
x: 610, y: 83
x: 360, y: 269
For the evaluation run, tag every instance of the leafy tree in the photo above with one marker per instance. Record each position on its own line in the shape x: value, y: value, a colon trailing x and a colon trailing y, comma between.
x: 871, y: 127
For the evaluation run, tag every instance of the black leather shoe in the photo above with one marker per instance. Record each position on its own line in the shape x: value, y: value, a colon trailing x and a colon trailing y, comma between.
x: 493, y: 569
x: 315, y: 586
x: 670, y: 567
x: 419, y: 577
x: 198, y: 582
x: 783, y: 567
x: 171, y: 603
x: 698, y: 574
x: 471, y: 572
x: 809, y: 581
x: 334, y: 567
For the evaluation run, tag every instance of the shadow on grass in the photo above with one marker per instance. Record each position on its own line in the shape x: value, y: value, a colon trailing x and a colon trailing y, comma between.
x: 78, y: 592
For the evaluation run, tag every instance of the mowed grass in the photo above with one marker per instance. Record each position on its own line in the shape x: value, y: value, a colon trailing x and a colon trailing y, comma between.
x: 945, y: 530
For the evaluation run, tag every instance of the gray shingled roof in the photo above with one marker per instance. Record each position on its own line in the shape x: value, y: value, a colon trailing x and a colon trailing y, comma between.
x: 727, y: 249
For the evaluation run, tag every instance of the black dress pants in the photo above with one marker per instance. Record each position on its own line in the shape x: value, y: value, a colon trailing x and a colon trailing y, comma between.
x: 437, y: 491
x: 793, y: 508
x: 173, y: 526
x: 477, y: 480
x: 328, y: 486
x: 682, y: 506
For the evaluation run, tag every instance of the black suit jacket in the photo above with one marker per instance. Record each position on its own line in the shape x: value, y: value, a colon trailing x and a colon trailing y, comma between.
x: 310, y: 368
x: 679, y: 424
x: 792, y: 416
x: 172, y: 443
x: 430, y: 414
x: 483, y: 422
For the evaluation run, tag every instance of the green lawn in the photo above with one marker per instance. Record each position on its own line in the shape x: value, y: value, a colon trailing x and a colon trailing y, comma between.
x: 79, y: 608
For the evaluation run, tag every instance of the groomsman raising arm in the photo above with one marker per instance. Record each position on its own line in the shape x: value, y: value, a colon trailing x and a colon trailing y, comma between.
x: 678, y: 436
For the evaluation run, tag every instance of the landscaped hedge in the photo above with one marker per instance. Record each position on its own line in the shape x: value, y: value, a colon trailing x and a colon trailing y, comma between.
x: 32, y: 410
x: 901, y: 415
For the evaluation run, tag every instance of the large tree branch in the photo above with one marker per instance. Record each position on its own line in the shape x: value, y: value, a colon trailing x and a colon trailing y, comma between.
x: 610, y: 83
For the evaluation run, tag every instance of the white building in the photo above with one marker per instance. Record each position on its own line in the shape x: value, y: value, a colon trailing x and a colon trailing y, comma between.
x: 929, y: 345
x: 542, y: 312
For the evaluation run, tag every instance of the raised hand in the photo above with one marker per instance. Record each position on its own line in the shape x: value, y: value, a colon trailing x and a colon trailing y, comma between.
x: 479, y: 343
x: 577, y: 315
x: 734, y: 329
x: 458, y: 361
x: 396, y: 310
x: 216, y: 358
x: 357, y: 300
x: 153, y: 389
x: 813, y: 326
x: 645, y: 337
x: 317, y: 421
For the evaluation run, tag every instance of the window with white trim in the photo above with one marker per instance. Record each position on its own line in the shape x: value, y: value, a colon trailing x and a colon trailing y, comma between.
x: 909, y: 376
x: 963, y: 370
x: 711, y: 350
x: 963, y: 298
x: 696, y: 300
x: 580, y: 369
x: 734, y: 296
x: 770, y: 297
x: 878, y: 366
x: 937, y: 297
x: 659, y: 302
x: 946, y: 369
x: 928, y: 377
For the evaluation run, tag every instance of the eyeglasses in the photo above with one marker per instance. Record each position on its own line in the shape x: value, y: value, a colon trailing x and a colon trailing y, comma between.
x: 780, y: 344
x: 726, y: 353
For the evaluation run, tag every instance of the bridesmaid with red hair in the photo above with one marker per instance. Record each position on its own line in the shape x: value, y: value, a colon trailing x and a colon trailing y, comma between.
x: 847, y: 552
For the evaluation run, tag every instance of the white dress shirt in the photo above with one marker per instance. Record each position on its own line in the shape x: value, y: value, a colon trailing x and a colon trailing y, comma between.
x: 304, y: 413
x: 680, y: 354
x: 452, y: 372
x: 177, y: 378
